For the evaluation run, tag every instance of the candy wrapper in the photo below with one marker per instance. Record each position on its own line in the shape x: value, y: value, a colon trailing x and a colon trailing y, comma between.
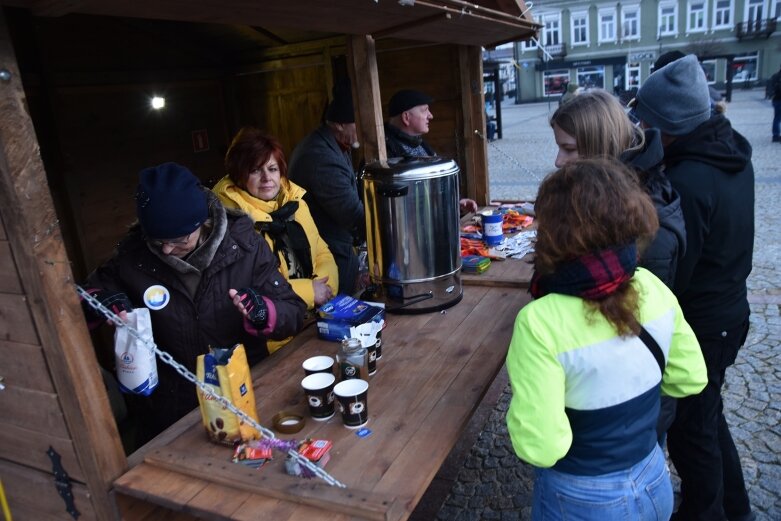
x: 316, y: 451
x: 227, y: 373
x: 253, y: 454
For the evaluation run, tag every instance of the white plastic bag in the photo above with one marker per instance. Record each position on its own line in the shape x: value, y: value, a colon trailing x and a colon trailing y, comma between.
x: 136, y: 364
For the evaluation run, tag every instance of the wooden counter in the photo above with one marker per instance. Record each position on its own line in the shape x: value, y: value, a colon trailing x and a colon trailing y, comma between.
x: 435, y: 369
x: 509, y: 273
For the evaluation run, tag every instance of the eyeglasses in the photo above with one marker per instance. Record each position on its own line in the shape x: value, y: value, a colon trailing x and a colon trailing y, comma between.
x: 173, y: 242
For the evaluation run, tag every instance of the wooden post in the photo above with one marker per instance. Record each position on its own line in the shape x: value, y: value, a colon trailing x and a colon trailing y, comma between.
x: 475, y: 167
x: 44, y: 269
x: 362, y: 62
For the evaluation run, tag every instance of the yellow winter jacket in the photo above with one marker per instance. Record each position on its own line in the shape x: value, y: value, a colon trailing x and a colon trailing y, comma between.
x: 323, y: 264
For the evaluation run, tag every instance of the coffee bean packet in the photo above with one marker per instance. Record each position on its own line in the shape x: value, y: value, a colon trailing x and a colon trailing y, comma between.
x: 226, y: 372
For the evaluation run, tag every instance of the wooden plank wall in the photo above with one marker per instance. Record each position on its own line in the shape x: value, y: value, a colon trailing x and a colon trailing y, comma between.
x: 432, y: 69
x: 32, y: 419
x: 286, y: 97
x: 54, y: 394
x: 109, y: 133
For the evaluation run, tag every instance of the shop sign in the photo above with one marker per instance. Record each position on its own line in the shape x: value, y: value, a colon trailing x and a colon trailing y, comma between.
x: 641, y: 57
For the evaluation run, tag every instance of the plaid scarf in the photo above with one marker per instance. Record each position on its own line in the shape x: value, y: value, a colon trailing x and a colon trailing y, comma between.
x: 591, y: 277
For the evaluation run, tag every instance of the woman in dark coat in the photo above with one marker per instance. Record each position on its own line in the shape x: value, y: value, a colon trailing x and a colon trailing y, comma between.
x: 207, y: 278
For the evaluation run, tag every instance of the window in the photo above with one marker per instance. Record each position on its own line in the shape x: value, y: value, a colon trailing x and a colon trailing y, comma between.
x: 755, y: 10
x: 722, y: 14
x: 630, y: 22
x: 776, y: 9
x: 695, y: 19
x: 579, y: 25
x: 668, y: 19
x: 632, y: 76
x: 529, y: 45
x: 709, y: 68
x: 555, y: 82
x: 744, y: 67
x: 551, y: 32
x: 607, y: 25
x: 591, y: 77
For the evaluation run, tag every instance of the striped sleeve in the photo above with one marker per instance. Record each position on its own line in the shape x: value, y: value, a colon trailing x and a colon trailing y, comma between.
x: 538, y: 426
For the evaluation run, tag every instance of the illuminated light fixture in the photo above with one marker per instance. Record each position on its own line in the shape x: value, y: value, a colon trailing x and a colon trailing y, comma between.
x: 158, y: 102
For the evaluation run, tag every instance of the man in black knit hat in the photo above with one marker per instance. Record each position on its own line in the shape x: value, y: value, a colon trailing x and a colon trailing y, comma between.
x: 709, y: 165
x: 322, y: 165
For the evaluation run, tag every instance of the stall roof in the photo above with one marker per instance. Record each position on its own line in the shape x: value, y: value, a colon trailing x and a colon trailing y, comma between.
x: 481, y: 22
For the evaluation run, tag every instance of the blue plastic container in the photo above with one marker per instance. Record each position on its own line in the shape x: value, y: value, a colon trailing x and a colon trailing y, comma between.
x: 492, y: 228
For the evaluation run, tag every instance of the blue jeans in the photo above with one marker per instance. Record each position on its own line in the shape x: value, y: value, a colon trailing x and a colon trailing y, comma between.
x: 776, y: 117
x: 643, y: 492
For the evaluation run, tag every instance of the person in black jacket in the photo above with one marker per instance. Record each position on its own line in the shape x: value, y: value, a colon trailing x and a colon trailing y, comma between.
x: 207, y: 278
x: 595, y: 125
x: 322, y: 165
x: 410, y: 116
x: 774, y: 92
x: 709, y: 164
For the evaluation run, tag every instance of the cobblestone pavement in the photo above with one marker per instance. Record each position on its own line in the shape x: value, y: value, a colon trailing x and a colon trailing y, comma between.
x: 489, y: 482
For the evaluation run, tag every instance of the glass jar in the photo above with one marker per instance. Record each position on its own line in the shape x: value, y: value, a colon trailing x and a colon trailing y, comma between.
x: 352, y: 359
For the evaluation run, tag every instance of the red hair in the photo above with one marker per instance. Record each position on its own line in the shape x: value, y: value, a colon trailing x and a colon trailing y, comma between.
x: 250, y: 148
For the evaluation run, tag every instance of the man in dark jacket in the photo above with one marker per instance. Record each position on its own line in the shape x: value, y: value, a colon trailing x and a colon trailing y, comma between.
x: 208, y: 279
x: 410, y: 115
x: 709, y: 164
x: 321, y: 164
x: 774, y: 90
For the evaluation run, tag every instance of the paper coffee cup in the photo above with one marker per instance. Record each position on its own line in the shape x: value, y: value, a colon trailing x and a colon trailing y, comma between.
x: 319, y: 390
x: 318, y: 364
x: 351, y: 397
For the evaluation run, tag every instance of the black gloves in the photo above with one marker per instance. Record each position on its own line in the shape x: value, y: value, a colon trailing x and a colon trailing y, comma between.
x: 257, y: 310
x: 116, y: 301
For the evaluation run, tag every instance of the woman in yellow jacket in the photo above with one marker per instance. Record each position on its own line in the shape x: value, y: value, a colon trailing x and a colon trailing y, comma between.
x: 257, y: 183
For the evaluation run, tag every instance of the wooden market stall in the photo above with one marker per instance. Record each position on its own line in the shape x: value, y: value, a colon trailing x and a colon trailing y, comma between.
x: 75, y: 79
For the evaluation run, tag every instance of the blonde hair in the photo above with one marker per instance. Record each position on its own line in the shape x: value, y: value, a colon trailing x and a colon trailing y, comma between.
x: 599, y: 125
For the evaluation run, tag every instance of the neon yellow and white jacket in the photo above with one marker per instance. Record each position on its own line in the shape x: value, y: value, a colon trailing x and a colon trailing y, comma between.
x: 323, y: 263
x: 585, y: 400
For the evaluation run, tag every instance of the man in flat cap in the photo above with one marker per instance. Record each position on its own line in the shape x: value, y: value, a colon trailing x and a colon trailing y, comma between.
x: 409, y: 117
x: 322, y: 165
x: 709, y: 164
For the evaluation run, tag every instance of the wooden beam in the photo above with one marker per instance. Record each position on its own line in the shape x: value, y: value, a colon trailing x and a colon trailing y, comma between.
x: 352, y: 502
x: 475, y: 167
x: 390, y: 31
x: 362, y: 65
x: 36, y: 244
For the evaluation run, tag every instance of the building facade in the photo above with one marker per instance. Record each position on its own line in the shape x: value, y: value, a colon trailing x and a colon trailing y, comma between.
x: 613, y: 45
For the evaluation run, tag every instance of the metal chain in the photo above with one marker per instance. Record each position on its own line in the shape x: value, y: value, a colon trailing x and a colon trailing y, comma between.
x: 508, y: 156
x: 189, y: 376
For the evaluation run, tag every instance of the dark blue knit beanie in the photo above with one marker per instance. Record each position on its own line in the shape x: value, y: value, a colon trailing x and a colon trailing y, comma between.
x: 170, y: 202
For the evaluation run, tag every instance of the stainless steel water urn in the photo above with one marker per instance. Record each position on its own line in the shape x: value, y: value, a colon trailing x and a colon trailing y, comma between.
x: 412, y: 229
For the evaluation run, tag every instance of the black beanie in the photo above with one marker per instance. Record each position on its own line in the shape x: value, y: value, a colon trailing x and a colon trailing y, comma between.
x: 340, y: 110
x: 405, y: 100
x: 668, y: 57
x: 170, y: 202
